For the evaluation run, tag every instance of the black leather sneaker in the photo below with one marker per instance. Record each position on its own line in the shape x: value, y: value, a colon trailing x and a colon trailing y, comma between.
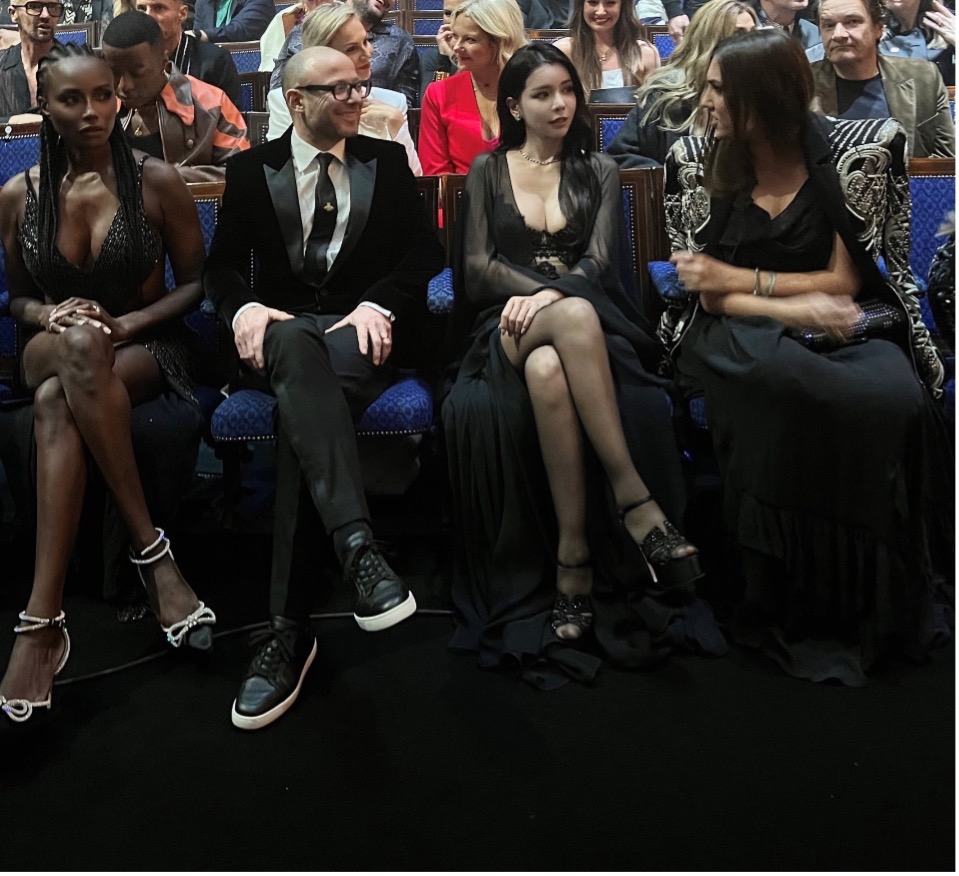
x: 383, y: 600
x: 276, y: 673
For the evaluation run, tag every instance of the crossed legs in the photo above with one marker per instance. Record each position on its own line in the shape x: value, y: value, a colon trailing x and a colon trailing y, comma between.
x: 83, y: 392
x: 564, y: 359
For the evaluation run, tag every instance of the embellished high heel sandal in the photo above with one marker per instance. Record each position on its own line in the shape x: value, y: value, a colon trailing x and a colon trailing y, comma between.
x: 575, y: 610
x: 19, y: 710
x: 657, y: 549
x: 195, y: 627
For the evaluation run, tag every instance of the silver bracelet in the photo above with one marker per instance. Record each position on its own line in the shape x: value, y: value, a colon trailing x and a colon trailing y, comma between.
x: 770, y: 284
x: 756, y: 282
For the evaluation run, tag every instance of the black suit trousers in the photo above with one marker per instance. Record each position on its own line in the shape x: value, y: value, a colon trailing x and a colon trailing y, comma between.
x: 322, y: 384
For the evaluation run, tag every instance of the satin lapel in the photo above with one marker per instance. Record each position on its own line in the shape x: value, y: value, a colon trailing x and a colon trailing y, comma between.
x: 286, y: 204
x: 362, y: 179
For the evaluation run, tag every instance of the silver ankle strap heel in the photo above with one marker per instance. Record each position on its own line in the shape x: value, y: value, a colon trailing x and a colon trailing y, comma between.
x: 201, y: 616
x: 20, y: 710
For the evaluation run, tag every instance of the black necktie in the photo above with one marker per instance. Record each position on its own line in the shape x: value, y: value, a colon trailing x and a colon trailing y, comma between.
x: 324, y: 222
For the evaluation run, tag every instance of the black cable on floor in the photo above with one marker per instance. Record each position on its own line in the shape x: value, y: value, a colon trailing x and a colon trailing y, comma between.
x: 330, y: 615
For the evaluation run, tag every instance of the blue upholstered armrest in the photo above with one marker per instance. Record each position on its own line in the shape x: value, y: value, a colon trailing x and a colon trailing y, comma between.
x: 666, y: 281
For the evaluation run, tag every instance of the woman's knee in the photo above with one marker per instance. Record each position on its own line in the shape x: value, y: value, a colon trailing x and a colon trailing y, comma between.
x: 50, y: 408
x: 577, y: 318
x: 545, y: 376
x: 84, y: 353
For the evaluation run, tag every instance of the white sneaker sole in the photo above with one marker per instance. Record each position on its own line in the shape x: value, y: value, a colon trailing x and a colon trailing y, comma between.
x: 255, y: 722
x: 389, y: 618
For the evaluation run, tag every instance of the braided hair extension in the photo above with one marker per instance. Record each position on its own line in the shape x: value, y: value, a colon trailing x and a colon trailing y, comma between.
x: 54, y: 161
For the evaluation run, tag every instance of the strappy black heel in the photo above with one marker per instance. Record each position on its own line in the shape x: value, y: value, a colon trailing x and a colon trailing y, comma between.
x: 657, y: 549
x: 575, y: 610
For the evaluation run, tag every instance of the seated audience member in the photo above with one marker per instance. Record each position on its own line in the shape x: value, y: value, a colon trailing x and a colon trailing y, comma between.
x: 338, y: 305
x: 535, y: 14
x: 557, y: 356
x: 787, y: 16
x: 85, y: 266
x: 679, y: 14
x: 397, y: 69
x: 667, y: 104
x: 176, y: 118
x: 836, y: 464
x: 395, y: 65
x: 605, y: 47
x: 458, y: 120
x: 854, y: 81
x: 232, y: 21
x: 36, y: 23
x: 95, y: 10
x: 206, y: 61
x: 275, y: 35
x: 923, y: 29
x: 439, y: 62
x: 384, y: 112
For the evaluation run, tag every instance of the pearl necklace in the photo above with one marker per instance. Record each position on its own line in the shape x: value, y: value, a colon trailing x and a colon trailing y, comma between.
x: 532, y: 160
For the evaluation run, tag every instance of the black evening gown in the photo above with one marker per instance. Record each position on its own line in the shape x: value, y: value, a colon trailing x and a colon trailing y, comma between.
x: 505, y: 567
x: 836, y: 467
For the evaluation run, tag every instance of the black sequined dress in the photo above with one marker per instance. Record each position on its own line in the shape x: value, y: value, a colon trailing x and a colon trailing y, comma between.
x: 114, y: 281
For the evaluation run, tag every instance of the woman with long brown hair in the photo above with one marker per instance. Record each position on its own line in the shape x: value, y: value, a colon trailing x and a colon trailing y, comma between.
x: 606, y: 46
x: 835, y: 462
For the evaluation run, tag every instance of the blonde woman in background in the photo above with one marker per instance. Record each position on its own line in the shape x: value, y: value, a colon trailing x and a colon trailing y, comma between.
x: 667, y: 104
x: 458, y: 120
x: 338, y: 26
x: 605, y: 45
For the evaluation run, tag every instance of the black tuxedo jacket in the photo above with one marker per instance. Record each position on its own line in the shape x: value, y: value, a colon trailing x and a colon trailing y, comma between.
x: 389, y: 254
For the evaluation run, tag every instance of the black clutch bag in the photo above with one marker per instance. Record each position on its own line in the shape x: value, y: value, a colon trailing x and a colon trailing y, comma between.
x: 878, y: 320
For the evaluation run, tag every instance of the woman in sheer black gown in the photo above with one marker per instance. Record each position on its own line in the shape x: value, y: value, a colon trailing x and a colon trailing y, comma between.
x: 555, y: 372
x: 836, y: 465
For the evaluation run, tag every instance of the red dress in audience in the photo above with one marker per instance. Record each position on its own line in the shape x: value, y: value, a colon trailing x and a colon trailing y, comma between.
x: 451, y: 130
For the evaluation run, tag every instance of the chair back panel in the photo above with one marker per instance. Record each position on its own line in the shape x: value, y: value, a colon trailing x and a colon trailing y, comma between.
x: 645, y: 222
x: 257, y: 124
x: 80, y: 32
x: 658, y: 35
x: 253, y: 89
x: 19, y: 149
x: 246, y: 55
x: 607, y: 119
x: 932, y: 186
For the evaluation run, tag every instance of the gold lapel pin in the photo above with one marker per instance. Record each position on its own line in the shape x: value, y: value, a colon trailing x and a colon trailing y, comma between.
x: 328, y: 207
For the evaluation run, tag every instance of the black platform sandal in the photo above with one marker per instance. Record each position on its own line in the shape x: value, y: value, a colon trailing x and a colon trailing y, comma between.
x: 657, y: 549
x: 575, y: 610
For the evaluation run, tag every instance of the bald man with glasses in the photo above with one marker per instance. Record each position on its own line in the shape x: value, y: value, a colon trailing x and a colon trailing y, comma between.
x: 36, y: 22
x: 344, y: 252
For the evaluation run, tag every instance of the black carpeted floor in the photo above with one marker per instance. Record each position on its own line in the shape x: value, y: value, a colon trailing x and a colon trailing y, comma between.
x: 402, y: 755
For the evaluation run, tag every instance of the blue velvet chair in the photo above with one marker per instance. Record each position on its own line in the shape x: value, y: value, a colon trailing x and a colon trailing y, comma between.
x: 19, y: 150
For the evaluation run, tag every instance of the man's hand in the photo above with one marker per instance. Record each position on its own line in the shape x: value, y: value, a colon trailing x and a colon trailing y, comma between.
x: 444, y: 40
x: 248, y: 333
x: 373, y: 332
x: 677, y: 27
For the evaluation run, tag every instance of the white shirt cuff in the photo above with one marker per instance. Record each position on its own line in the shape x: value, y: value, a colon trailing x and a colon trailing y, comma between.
x: 246, y: 306
x: 387, y: 313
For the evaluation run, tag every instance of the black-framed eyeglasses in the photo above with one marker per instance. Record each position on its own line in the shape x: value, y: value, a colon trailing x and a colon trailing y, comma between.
x: 54, y: 10
x: 340, y: 90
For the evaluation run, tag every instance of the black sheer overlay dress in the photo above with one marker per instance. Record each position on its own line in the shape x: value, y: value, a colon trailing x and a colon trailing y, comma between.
x: 114, y: 280
x: 836, y: 467
x: 504, y: 580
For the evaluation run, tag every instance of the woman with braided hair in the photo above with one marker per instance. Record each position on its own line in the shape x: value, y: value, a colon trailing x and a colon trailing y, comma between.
x: 85, y: 234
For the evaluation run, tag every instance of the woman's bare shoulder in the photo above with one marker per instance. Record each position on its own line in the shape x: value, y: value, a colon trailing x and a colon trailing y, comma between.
x: 564, y: 44
x: 14, y: 191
